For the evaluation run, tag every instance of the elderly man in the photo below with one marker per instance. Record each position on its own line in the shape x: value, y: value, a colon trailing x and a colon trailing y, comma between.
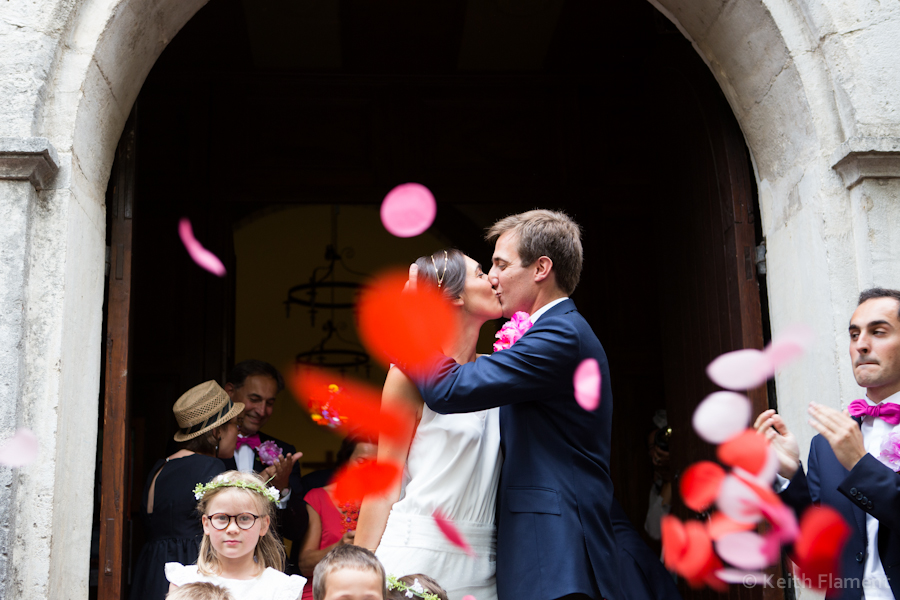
x: 256, y: 383
x: 846, y: 469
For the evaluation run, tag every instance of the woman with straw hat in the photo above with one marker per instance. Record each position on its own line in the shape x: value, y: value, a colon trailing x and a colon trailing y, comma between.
x: 208, y: 426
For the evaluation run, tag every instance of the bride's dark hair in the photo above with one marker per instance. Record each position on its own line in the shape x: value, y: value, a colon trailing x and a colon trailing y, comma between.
x: 446, y: 266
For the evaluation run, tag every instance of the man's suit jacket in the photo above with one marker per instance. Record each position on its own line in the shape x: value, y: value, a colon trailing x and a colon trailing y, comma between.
x: 871, y: 487
x: 293, y: 519
x: 554, y: 534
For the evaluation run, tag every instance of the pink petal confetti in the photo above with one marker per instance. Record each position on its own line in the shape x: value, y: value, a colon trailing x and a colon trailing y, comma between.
x: 740, y: 370
x: 738, y: 501
x: 451, y: 532
x: 721, y: 416
x: 587, y: 384
x: 200, y: 255
x: 469, y: 597
x: 788, y: 345
x: 19, y: 450
x: 747, y: 578
x: 743, y: 550
x: 408, y: 210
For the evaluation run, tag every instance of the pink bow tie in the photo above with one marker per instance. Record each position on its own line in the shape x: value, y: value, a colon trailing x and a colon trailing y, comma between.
x: 251, y: 440
x: 888, y: 411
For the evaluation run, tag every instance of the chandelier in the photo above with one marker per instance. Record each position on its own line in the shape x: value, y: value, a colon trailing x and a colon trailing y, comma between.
x: 325, y: 292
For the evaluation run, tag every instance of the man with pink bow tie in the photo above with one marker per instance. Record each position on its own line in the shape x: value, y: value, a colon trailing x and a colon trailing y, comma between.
x: 256, y: 384
x: 853, y: 461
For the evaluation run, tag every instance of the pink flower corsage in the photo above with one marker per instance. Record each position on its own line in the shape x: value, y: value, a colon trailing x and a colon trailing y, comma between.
x: 890, y: 451
x: 512, y: 330
x: 269, y: 452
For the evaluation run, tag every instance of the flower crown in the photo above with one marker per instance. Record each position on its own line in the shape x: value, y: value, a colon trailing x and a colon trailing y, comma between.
x: 270, y: 492
x: 416, y: 589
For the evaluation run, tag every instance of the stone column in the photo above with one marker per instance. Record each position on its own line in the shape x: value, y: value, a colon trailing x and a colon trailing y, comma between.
x: 870, y: 169
x: 26, y: 167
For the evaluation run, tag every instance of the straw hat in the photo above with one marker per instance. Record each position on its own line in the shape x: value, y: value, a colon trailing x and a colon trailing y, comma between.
x: 202, y: 408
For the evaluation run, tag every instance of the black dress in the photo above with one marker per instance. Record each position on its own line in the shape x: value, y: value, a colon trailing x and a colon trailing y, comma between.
x: 174, y: 530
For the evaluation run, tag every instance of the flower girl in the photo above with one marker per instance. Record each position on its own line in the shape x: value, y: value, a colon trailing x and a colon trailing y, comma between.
x: 239, y: 550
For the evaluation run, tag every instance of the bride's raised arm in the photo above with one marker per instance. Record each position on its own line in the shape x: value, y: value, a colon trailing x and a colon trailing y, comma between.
x: 399, y: 397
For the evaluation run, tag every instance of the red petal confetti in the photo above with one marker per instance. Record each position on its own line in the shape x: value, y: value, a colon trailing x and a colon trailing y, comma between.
x: 700, y: 484
x: 817, y: 551
x: 748, y: 451
x: 407, y: 328
x: 451, y: 532
x: 358, y: 402
x: 720, y: 525
x: 687, y: 550
x: 200, y: 255
x: 354, y: 482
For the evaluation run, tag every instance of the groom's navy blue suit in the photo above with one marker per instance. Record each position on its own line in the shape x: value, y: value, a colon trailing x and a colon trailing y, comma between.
x: 554, y: 535
x: 870, y: 487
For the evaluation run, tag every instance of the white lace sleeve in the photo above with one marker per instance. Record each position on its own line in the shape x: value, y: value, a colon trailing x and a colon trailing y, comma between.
x: 180, y: 574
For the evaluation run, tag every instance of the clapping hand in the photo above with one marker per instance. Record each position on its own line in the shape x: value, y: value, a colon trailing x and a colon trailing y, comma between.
x: 841, y: 431
x: 770, y: 424
x: 280, y: 471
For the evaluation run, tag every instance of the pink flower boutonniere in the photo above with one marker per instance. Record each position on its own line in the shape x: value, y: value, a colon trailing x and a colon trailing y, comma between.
x: 890, y: 451
x: 512, y: 330
x: 269, y: 452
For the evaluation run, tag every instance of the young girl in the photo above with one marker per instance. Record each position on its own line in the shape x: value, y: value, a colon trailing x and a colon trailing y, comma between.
x: 239, y: 550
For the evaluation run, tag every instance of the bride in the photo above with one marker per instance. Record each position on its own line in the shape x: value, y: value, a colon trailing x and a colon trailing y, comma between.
x: 452, y: 462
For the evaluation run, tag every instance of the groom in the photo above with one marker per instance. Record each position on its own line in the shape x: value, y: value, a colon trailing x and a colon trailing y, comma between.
x: 554, y: 535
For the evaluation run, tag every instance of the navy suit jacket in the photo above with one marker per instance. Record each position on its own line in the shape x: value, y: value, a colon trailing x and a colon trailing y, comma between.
x: 871, y: 487
x: 554, y: 534
x: 293, y: 519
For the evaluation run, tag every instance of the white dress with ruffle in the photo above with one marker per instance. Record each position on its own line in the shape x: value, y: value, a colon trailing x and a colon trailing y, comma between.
x: 270, y: 585
x: 453, y: 466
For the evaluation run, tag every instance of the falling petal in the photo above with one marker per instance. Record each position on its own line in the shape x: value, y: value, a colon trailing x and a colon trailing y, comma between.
x: 740, y: 370
x: 738, y: 501
x: 200, y: 255
x: 818, y: 549
x: 358, y: 402
x: 784, y: 523
x: 587, y: 384
x: 699, y: 560
x: 469, y: 597
x: 408, y: 210
x: 720, y: 525
x: 788, y: 345
x: 404, y: 328
x: 721, y: 416
x: 674, y: 540
x: 743, y: 550
x: 19, y: 450
x: 700, y: 484
x: 749, y: 451
x: 356, y: 481
x: 451, y: 532
x: 746, y: 578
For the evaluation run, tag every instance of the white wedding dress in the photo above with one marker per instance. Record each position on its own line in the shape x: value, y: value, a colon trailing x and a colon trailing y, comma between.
x: 453, y: 466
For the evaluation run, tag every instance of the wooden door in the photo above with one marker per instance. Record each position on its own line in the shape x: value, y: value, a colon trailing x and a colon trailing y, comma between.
x: 711, y: 303
x: 114, y: 480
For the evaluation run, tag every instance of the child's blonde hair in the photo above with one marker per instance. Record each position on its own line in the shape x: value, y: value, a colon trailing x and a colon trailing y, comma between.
x: 346, y: 556
x: 269, y: 551
x: 201, y: 590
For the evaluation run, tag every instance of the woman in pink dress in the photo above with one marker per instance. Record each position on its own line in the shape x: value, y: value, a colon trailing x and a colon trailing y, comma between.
x: 331, y: 524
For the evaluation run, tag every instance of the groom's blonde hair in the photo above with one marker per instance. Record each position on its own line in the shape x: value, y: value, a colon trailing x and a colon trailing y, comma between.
x: 547, y: 233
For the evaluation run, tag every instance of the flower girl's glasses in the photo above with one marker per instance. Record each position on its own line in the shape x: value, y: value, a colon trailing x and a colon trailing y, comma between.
x: 221, y: 521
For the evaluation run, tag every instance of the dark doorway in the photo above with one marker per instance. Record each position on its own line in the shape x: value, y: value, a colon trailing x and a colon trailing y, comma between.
x: 603, y: 110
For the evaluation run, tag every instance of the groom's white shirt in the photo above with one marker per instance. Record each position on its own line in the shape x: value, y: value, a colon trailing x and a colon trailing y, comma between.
x: 537, y: 314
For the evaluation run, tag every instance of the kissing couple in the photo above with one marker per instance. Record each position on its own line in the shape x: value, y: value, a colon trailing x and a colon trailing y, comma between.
x: 499, y: 444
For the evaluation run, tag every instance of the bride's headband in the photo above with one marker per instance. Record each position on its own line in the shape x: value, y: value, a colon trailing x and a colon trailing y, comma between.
x: 440, y: 277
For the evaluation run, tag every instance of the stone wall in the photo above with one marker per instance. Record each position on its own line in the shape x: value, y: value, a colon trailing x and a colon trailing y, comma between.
x: 814, y: 85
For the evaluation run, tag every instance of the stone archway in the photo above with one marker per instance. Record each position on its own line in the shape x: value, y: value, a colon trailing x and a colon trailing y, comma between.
x: 770, y: 65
